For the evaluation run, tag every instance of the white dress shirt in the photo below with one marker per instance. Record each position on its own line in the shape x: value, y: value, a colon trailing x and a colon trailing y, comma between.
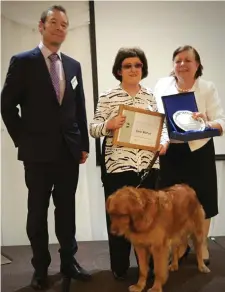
x: 207, y: 100
x: 46, y: 53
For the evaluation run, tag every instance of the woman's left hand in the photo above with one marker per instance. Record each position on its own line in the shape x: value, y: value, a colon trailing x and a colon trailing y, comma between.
x: 163, y: 148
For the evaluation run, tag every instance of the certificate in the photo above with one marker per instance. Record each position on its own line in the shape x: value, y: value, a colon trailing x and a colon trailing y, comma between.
x: 141, y: 130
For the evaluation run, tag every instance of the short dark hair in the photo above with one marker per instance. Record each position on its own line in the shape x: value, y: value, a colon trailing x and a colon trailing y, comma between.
x: 130, y: 52
x: 199, y: 72
x: 53, y: 7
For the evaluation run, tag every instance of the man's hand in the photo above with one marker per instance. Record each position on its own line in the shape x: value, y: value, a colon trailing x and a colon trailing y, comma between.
x: 84, y: 156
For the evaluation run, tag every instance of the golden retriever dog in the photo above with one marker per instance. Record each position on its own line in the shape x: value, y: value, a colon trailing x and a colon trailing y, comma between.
x: 154, y: 221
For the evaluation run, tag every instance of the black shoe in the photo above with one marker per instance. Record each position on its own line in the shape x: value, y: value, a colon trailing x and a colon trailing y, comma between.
x: 75, y: 271
x: 206, y: 262
x: 39, y: 282
x: 185, y: 255
x: 120, y: 276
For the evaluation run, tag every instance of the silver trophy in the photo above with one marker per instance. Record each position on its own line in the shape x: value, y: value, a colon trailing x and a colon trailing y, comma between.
x: 186, y: 122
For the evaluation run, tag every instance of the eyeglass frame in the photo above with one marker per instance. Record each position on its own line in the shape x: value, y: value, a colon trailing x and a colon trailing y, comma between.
x: 129, y: 66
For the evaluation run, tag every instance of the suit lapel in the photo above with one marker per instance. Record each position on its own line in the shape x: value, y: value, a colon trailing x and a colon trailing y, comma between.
x: 41, y: 62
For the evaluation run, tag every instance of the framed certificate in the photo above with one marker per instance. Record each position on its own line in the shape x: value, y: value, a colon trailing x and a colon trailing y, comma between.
x: 141, y: 130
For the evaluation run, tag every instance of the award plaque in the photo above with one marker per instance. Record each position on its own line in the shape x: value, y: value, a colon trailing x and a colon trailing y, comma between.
x: 181, y: 126
x: 185, y: 121
x: 141, y: 130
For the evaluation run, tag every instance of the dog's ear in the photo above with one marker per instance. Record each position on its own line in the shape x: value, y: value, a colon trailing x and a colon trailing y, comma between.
x: 141, y: 210
x: 151, y: 209
x: 164, y: 201
x: 138, y: 197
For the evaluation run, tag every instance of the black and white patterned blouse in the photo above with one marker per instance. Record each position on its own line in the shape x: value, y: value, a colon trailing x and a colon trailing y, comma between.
x: 119, y: 158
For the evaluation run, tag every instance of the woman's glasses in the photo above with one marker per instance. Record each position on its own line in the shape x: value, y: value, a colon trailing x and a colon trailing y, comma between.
x: 129, y: 66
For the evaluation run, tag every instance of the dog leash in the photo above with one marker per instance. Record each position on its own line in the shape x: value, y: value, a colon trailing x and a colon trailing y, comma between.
x: 147, y: 170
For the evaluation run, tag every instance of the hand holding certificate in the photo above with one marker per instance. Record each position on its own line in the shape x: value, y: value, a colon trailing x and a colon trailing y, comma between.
x: 116, y: 122
x: 141, y: 130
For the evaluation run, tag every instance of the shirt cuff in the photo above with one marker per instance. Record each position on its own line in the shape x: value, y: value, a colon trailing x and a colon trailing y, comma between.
x: 105, y: 131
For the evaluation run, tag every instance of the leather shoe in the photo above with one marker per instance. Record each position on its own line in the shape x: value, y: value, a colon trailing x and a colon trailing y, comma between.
x: 120, y: 276
x: 39, y: 282
x: 75, y: 271
x: 206, y: 261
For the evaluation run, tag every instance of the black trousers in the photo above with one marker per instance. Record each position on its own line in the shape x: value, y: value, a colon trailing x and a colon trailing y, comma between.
x: 59, y: 179
x: 120, y: 247
x: 197, y: 169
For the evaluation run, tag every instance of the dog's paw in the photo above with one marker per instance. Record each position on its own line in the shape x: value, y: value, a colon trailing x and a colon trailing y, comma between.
x: 204, y: 269
x: 136, y: 288
x: 173, y: 267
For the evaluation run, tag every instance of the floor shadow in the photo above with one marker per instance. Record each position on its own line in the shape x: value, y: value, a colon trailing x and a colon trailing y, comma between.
x: 103, y: 281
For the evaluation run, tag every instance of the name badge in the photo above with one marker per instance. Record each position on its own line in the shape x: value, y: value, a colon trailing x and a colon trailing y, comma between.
x: 74, y: 82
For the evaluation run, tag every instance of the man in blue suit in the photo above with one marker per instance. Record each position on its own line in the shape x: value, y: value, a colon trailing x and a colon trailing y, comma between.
x: 52, y: 139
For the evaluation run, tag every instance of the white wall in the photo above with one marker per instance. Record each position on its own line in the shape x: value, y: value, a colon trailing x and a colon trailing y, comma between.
x: 159, y: 27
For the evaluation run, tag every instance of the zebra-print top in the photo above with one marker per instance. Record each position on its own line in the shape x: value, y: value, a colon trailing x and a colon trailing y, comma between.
x: 119, y: 158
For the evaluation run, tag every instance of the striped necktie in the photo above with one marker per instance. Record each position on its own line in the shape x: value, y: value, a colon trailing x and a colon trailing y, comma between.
x: 55, y: 74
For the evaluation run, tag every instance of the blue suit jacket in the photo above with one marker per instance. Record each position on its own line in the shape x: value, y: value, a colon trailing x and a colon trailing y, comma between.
x: 43, y: 124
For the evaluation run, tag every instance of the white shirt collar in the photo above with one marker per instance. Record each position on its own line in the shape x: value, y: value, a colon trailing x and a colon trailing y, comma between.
x: 46, y: 52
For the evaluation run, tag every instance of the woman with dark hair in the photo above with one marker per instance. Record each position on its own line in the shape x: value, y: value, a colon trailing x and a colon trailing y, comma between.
x: 124, y: 166
x: 193, y: 163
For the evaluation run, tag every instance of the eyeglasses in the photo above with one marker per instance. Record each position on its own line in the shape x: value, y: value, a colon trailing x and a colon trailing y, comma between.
x: 129, y: 66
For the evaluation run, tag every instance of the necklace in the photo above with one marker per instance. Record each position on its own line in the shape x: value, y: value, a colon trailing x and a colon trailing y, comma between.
x: 182, y: 90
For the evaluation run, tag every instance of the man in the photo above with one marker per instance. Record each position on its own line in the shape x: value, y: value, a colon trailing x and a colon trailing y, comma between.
x: 52, y: 139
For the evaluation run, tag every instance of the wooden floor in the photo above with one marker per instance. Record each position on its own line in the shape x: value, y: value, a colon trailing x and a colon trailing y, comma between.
x: 94, y: 257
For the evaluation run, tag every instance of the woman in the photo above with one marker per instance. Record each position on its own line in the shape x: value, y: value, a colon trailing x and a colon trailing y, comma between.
x: 123, y: 166
x: 193, y: 162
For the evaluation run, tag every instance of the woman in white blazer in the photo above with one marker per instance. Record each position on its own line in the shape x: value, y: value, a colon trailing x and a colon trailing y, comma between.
x: 193, y: 162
